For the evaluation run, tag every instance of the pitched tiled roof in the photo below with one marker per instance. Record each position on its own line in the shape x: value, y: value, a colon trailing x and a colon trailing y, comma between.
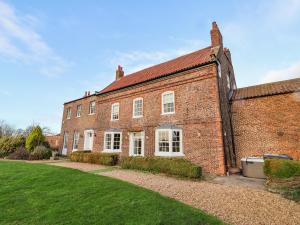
x: 181, y: 63
x: 280, y: 87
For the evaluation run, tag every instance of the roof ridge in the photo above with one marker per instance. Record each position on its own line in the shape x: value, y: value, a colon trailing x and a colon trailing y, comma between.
x: 183, y: 62
x: 270, y: 83
x: 170, y: 60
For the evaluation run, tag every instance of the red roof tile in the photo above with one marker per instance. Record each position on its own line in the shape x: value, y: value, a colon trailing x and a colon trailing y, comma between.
x: 281, y: 87
x: 183, y: 62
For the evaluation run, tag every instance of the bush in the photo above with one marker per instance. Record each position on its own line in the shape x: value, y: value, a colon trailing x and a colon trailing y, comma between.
x: 8, y: 144
x: 19, y: 153
x: 281, y: 168
x: 171, y: 166
x: 95, y: 158
x: 35, y: 138
x: 40, y: 152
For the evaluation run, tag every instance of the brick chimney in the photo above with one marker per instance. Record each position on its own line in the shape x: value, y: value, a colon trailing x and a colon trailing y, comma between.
x: 216, y: 36
x: 119, y: 73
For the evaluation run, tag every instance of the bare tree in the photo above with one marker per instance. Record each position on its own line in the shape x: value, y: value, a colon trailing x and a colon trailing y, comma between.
x: 6, y: 129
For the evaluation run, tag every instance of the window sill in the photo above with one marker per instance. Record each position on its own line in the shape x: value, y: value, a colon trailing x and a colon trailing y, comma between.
x: 111, y: 151
x: 74, y: 150
x: 90, y: 114
x: 167, y: 154
x: 137, y: 117
x: 169, y: 113
x: 114, y: 120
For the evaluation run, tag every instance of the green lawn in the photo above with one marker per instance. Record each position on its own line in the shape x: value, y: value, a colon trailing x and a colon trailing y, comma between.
x: 41, y: 194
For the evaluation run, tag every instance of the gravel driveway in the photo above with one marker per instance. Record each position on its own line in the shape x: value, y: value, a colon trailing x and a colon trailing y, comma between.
x: 232, y: 204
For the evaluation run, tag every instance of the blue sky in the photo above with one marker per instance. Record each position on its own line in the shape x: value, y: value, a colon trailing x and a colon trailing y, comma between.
x: 54, y: 51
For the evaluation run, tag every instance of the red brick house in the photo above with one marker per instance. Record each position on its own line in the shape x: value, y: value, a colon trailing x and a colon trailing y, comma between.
x: 179, y: 108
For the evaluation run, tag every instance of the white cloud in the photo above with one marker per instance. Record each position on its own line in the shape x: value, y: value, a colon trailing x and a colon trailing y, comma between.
x: 292, y: 71
x: 19, y: 42
x: 137, y: 60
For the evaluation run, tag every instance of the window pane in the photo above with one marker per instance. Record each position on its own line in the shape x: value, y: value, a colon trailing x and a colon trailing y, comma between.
x: 117, y: 139
x: 76, y: 140
x: 78, y: 113
x: 108, y: 141
x: 138, y: 107
x: 176, y: 141
x: 65, y: 140
x: 68, y: 113
x: 137, y: 148
x: 168, y: 103
x: 163, y: 141
x: 115, y: 112
x: 92, y: 107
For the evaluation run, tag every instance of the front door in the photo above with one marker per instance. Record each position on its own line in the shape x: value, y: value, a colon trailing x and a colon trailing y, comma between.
x: 136, y: 144
x: 88, y: 139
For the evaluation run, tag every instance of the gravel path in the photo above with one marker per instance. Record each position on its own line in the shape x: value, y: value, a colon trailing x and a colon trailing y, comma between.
x: 234, y: 204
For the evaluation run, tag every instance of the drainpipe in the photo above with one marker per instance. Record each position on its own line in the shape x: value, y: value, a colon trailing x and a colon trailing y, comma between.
x: 223, y: 138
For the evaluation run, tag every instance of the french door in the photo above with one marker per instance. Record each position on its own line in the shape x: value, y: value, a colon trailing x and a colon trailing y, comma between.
x: 136, y: 145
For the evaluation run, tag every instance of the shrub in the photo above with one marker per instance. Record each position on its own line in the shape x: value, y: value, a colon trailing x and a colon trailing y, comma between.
x: 40, y: 152
x: 35, y: 138
x: 171, y: 166
x: 9, y: 144
x: 95, y: 158
x: 281, y: 168
x: 19, y: 153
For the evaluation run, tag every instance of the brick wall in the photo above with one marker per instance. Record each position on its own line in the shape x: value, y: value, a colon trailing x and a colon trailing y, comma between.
x: 78, y: 124
x: 54, y: 141
x: 197, y: 112
x: 268, y: 124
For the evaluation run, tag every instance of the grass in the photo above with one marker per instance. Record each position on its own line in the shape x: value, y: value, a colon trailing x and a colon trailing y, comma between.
x: 43, y: 194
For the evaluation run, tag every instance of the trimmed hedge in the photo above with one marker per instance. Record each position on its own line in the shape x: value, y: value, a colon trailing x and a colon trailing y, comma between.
x: 281, y: 168
x: 171, y: 166
x: 108, y: 159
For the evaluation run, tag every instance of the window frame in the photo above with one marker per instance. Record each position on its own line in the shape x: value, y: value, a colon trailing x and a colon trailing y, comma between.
x: 90, y: 107
x: 111, y: 150
x: 65, y: 141
x: 112, y: 112
x: 133, y: 107
x: 228, y: 81
x: 77, y: 107
x: 170, y: 153
x: 162, y: 102
x: 78, y: 134
x: 69, y: 113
